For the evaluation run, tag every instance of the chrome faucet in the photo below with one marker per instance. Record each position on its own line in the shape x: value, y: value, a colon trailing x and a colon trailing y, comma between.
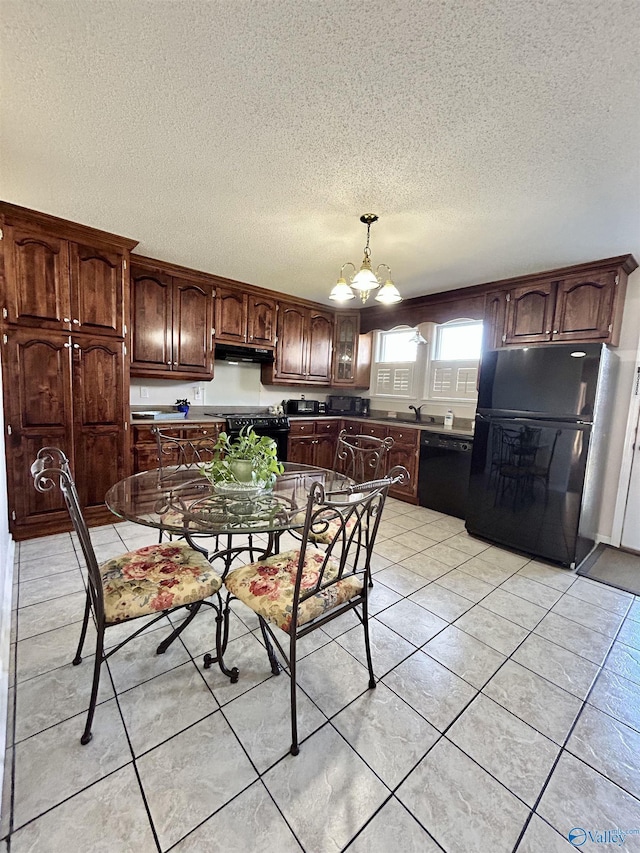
x: 417, y: 410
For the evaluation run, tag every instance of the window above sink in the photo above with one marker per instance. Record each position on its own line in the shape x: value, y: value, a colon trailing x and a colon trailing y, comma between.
x: 443, y: 368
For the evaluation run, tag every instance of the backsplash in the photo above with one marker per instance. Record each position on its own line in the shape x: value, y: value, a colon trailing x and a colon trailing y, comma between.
x: 234, y: 385
x: 238, y: 386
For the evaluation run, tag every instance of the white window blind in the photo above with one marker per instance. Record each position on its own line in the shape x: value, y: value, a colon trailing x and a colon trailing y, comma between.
x: 453, y: 380
x: 466, y: 380
x: 393, y: 380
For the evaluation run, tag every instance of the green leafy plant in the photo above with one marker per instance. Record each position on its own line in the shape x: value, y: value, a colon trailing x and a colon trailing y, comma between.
x: 182, y: 403
x: 260, y: 451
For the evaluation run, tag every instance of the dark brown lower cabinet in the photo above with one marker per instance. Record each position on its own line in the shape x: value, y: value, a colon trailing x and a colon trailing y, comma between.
x: 301, y: 450
x: 313, y: 442
x: 69, y: 391
x: 145, y: 447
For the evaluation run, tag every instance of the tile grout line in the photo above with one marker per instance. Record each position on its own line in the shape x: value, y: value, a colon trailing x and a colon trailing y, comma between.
x: 419, y: 648
x: 562, y: 750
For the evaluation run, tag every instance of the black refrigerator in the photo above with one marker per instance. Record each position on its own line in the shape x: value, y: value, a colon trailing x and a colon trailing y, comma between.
x: 539, y: 451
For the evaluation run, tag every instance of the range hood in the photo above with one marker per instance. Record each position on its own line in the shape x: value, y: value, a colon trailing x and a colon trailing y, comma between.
x: 229, y: 352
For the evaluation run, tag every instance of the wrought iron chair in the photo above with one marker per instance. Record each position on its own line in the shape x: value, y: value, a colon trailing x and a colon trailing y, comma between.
x: 361, y: 457
x: 156, y: 579
x: 303, y: 589
x: 185, y: 452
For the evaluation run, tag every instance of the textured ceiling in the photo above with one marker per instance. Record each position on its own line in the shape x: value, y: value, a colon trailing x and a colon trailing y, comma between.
x: 246, y: 137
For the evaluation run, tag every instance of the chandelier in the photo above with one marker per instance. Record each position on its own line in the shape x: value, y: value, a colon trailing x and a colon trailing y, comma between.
x: 365, y: 280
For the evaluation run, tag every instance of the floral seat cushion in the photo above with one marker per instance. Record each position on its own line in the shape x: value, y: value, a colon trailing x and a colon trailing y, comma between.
x: 155, y: 578
x: 267, y: 587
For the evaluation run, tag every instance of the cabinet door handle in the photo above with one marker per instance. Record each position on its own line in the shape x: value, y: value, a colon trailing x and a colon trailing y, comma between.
x: 76, y: 322
x: 555, y: 331
x: 169, y: 362
x: 64, y: 319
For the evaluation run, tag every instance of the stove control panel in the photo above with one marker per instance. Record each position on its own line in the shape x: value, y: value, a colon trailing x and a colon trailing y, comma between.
x: 234, y: 424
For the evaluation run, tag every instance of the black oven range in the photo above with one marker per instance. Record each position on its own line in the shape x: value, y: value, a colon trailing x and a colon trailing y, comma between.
x: 276, y: 427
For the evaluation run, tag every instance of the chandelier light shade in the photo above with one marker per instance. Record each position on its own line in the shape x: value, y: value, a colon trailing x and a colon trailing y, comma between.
x: 365, y: 280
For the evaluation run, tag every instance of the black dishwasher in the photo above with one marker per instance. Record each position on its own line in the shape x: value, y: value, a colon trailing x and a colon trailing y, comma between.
x: 443, y: 481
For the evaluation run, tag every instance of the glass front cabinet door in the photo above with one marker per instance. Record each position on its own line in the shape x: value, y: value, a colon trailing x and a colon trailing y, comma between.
x: 345, y: 353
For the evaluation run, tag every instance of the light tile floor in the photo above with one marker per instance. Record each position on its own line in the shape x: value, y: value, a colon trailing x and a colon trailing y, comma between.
x: 507, y: 712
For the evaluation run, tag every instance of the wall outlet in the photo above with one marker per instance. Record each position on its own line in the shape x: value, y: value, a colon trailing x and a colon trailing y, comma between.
x: 197, y: 393
x: 144, y: 392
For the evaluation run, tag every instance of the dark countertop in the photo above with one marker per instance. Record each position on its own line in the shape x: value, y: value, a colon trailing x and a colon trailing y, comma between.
x: 424, y: 427
x: 197, y: 415
x: 440, y: 429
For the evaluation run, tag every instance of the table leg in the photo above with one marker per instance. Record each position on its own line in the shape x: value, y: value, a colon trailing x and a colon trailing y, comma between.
x: 222, y: 637
x: 228, y: 555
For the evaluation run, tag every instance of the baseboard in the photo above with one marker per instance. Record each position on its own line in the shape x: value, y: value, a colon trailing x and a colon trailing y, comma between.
x: 6, y: 595
x: 605, y: 540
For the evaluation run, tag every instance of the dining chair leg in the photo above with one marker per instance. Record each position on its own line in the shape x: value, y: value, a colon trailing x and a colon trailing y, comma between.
x: 86, y: 736
x: 367, y: 644
x: 193, y: 609
x: 83, y: 631
x: 295, y: 748
x: 273, y: 660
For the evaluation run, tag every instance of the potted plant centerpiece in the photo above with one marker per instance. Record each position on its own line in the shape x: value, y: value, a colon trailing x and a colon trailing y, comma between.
x: 248, y: 463
x: 182, y: 406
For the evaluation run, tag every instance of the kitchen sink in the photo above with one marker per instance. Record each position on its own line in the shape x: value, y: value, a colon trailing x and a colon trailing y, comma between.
x: 398, y: 420
x: 407, y: 420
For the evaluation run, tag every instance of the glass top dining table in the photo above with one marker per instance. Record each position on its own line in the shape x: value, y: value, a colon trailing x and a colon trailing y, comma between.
x: 181, y: 500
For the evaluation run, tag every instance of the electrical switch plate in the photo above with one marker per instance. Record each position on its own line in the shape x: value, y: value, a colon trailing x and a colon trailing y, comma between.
x: 144, y: 392
x: 197, y: 393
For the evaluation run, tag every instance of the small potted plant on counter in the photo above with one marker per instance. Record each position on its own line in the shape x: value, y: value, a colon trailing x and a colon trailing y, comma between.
x: 248, y: 463
x: 182, y: 406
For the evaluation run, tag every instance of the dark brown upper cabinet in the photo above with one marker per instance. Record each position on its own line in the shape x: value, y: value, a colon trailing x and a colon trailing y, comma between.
x: 244, y: 318
x: 494, y: 317
x: 581, y: 306
x: 231, y: 316
x: 351, y: 366
x: 584, y: 307
x: 345, y: 349
x: 304, y: 347
x: 61, y: 284
x: 261, y: 326
x: 171, y: 321
x: 530, y: 314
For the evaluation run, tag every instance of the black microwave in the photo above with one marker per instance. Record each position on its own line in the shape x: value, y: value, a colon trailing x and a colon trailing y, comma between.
x: 303, y: 407
x: 343, y: 405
